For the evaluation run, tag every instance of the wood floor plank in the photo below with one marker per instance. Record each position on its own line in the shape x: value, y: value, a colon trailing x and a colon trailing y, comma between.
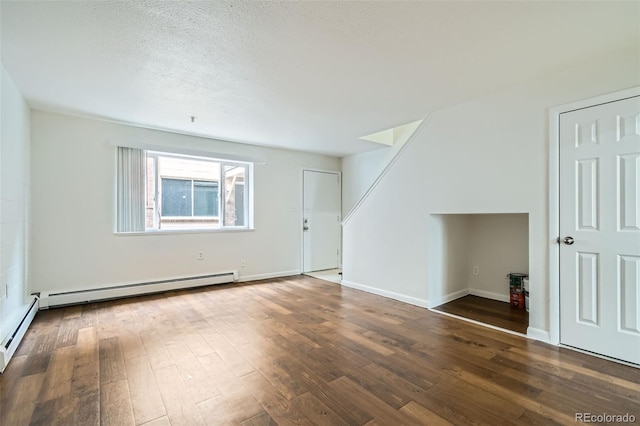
x: 365, y: 400
x: 230, y: 407
x: 423, y: 415
x: 201, y: 385
x: 279, y: 408
x: 57, y: 411
x: 345, y: 408
x: 68, y: 332
x: 115, y: 404
x: 19, y: 402
x: 622, y: 382
x: 86, y: 369
x: 157, y: 352
x: 178, y: 401
x: 396, y: 383
x: 111, y: 361
x: 376, y: 387
x: 316, y: 411
x: 500, y: 314
x: 198, y: 345
x: 620, y: 399
x: 38, y: 359
x: 477, y: 405
x: 294, y: 350
x: 262, y: 419
x: 57, y: 382
x: 162, y: 421
x: 534, y: 418
x: 229, y: 355
x: 10, y: 376
x: 277, y: 371
x: 85, y: 381
x: 131, y: 343
x: 359, y: 338
x: 146, y: 400
x: 88, y: 409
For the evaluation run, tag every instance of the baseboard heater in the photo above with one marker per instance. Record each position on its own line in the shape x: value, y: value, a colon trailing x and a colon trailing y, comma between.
x: 74, y: 297
x: 11, y: 343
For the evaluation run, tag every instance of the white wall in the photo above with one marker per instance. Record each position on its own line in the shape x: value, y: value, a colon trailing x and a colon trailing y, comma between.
x: 448, y: 248
x: 498, y: 245
x: 14, y: 200
x: 360, y: 171
x: 486, y: 155
x: 73, y: 244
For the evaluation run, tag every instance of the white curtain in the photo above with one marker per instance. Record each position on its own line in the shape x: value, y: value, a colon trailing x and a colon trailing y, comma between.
x: 132, y: 164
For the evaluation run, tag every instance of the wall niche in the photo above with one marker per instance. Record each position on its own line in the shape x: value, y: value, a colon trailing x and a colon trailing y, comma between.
x: 474, y: 253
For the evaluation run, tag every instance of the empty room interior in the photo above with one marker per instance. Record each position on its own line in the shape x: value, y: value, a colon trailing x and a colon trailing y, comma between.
x: 376, y: 212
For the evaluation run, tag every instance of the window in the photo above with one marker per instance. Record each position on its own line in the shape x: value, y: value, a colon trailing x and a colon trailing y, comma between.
x: 180, y: 192
x: 189, y: 198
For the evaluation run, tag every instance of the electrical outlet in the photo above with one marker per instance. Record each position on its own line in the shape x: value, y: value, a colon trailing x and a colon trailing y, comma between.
x: 243, y: 263
x: 200, y: 255
x: 475, y: 270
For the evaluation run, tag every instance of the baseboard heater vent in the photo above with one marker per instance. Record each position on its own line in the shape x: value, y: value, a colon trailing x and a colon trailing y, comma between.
x: 11, y: 343
x: 74, y: 297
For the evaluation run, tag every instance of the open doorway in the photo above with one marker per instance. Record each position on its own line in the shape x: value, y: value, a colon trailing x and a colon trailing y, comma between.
x: 470, y: 259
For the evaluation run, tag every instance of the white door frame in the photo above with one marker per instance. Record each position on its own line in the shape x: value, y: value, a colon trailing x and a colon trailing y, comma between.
x: 554, y: 198
x: 309, y: 169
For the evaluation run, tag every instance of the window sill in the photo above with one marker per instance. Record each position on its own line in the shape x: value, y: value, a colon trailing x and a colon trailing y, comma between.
x: 184, y: 231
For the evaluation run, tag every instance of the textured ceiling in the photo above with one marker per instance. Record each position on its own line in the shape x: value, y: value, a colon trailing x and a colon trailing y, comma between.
x: 303, y: 75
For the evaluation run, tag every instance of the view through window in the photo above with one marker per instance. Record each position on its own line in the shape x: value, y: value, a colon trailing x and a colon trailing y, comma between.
x: 185, y: 192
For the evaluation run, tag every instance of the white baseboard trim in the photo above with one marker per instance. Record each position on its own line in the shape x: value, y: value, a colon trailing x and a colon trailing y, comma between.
x: 423, y: 303
x: 493, y: 327
x: 489, y: 295
x: 597, y: 355
x: 77, y: 296
x: 11, y: 342
x: 539, y: 334
x: 448, y: 298
x: 246, y: 278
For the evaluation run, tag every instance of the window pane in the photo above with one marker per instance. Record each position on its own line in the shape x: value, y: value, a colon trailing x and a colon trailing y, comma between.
x: 234, y: 197
x: 176, y: 197
x: 205, y: 198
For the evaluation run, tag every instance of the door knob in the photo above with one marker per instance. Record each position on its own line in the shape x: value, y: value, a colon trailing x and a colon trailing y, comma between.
x: 305, y: 228
x: 568, y: 240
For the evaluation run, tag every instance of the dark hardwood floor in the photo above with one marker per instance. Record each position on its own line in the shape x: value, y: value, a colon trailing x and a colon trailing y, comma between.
x: 500, y: 314
x: 294, y: 351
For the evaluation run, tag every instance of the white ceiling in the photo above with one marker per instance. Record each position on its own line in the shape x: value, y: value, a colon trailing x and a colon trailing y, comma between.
x: 312, y: 76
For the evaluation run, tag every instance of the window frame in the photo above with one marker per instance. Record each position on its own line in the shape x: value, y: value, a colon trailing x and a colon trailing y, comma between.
x: 247, y: 199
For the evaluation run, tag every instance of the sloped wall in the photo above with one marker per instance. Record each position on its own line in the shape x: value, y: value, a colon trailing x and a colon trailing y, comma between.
x: 360, y: 171
x: 488, y: 155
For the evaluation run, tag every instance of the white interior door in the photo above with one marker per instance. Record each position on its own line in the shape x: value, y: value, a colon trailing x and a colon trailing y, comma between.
x: 321, y: 220
x: 600, y: 229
